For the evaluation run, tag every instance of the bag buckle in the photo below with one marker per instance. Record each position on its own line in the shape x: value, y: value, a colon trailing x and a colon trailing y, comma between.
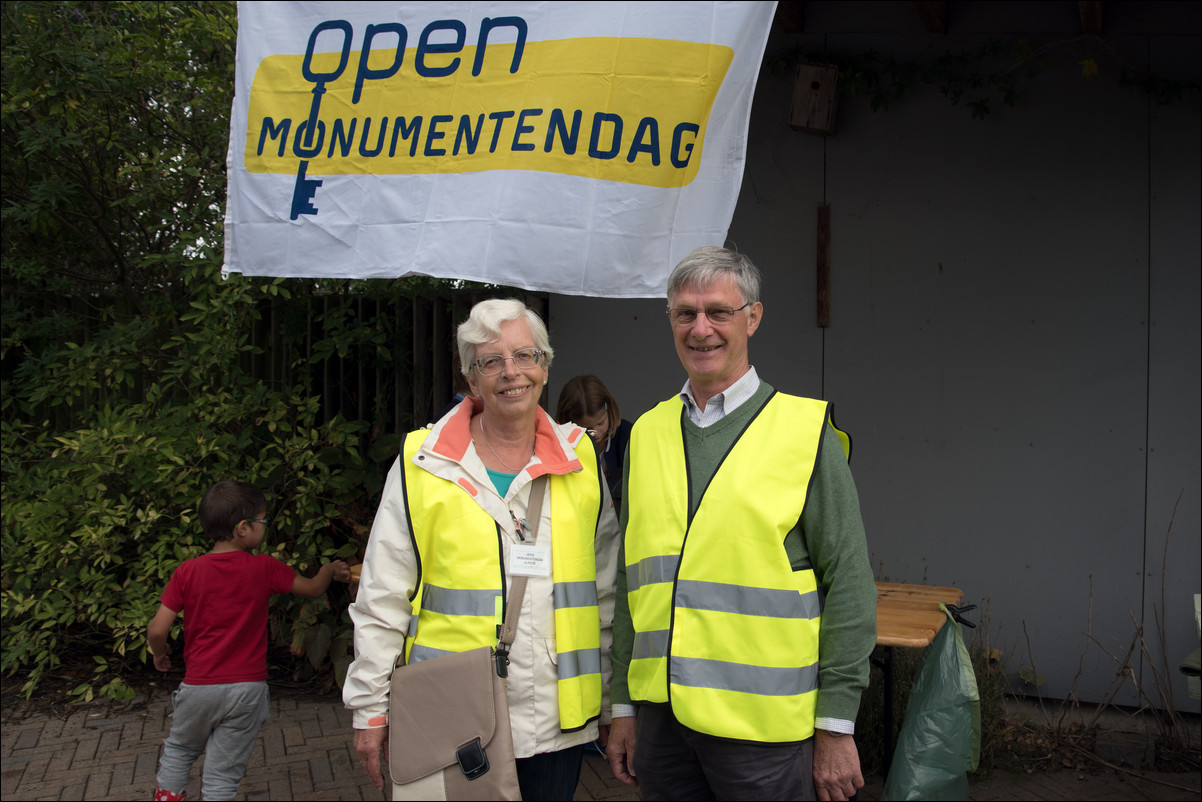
x: 502, y: 658
x: 473, y: 761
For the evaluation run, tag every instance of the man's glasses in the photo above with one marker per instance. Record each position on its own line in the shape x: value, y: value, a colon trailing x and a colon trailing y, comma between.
x: 493, y: 364
x: 686, y: 316
x: 263, y: 521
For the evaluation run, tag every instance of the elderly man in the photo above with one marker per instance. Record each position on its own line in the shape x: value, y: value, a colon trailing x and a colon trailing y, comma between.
x: 746, y: 604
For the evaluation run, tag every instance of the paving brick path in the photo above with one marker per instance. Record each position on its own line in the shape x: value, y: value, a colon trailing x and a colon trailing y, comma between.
x: 107, y: 751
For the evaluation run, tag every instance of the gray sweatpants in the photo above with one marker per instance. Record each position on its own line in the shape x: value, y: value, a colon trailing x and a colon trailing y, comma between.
x: 220, y: 720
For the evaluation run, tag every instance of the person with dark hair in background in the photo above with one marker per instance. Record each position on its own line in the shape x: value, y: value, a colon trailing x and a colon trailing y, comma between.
x: 585, y: 400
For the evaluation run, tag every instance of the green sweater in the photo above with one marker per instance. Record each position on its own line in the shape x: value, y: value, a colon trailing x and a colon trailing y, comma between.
x: 830, y: 539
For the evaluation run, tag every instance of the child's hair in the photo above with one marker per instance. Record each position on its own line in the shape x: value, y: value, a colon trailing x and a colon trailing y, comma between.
x: 585, y: 396
x: 227, y: 504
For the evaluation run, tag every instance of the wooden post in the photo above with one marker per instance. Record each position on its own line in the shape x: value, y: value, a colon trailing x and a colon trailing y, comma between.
x: 538, y: 303
x: 824, y: 266
x: 1091, y: 17
x: 442, y: 348
x: 422, y: 362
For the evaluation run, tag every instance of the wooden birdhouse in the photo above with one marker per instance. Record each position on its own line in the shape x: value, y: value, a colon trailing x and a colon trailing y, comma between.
x: 814, y: 98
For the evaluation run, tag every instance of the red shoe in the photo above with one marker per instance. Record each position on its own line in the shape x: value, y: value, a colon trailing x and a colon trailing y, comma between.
x: 163, y: 795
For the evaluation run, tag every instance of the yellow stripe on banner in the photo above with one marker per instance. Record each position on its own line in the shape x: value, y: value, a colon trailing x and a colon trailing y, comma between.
x: 610, y: 108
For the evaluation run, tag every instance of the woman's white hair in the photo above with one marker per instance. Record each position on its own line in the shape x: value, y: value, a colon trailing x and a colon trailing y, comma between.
x: 483, y: 325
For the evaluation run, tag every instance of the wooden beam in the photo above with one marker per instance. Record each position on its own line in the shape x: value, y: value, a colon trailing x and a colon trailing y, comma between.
x: 824, y: 266
x: 1091, y: 16
x: 790, y: 16
x: 932, y: 14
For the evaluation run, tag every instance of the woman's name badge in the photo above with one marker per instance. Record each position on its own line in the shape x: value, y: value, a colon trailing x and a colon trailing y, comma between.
x: 529, y: 560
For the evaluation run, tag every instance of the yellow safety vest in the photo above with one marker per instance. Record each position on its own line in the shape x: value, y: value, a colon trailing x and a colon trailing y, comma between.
x: 725, y: 629
x: 461, y: 590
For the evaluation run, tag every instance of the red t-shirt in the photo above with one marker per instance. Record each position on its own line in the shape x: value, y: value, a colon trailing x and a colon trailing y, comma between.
x: 224, y: 601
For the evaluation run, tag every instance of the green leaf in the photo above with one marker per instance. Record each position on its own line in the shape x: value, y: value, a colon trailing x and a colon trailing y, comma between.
x: 1029, y: 676
x: 386, y: 448
x: 317, y: 644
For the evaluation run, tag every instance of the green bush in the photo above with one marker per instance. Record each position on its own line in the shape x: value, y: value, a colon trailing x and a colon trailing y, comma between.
x: 95, y: 518
x: 133, y: 375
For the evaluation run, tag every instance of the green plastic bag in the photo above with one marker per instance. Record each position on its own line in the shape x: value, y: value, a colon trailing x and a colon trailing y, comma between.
x: 940, y: 738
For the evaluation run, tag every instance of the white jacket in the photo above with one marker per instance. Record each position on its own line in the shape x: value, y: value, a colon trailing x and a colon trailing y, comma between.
x: 381, y: 610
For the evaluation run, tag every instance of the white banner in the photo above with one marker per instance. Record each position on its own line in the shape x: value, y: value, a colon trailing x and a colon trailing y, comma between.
x: 572, y: 147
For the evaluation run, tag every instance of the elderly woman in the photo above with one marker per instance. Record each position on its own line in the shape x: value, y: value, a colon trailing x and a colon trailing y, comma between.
x: 478, y: 463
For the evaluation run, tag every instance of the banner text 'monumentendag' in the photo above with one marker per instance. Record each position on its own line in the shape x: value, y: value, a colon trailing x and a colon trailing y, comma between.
x: 620, y: 109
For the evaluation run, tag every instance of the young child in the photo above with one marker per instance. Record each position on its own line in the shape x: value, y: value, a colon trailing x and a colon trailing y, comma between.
x: 223, y: 700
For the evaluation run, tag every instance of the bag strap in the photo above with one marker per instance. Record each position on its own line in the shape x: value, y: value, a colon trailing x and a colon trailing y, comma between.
x: 534, y: 515
x: 509, y: 628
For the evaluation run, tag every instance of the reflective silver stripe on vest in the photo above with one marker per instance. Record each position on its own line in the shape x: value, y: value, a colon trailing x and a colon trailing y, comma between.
x: 420, y: 652
x: 460, y: 602
x: 579, y: 662
x: 650, y: 645
x: 575, y: 594
x: 760, y: 680
x: 650, y: 570
x: 743, y: 600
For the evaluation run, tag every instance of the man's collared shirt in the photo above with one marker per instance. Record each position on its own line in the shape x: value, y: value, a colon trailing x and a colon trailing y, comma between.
x: 723, y: 403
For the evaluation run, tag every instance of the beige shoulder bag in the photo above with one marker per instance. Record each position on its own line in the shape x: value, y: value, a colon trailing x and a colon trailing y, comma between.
x: 448, y: 717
